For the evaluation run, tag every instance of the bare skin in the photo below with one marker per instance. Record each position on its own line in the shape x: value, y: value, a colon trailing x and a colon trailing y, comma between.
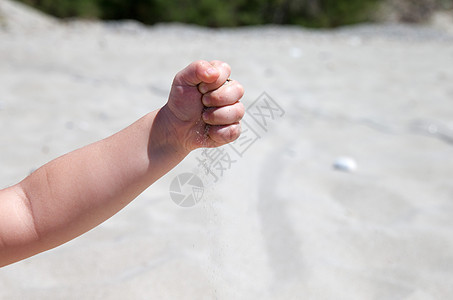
x: 77, y: 191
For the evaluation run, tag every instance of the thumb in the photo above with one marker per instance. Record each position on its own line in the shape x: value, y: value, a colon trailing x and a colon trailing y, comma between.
x: 196, y: 73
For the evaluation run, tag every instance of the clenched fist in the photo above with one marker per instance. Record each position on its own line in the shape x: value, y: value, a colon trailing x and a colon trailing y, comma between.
x: 204, y: 105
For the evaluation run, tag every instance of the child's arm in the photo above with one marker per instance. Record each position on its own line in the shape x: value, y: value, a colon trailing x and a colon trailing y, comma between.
x: 76, y: 192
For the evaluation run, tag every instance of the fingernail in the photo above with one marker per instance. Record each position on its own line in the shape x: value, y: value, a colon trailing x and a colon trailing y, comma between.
x: 202, y: 88
x: 211, y: 71
x: 206, y: 101
x: 205, y: 116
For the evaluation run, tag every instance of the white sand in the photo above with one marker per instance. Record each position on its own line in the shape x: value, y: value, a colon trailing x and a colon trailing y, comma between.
x: 282, y: 223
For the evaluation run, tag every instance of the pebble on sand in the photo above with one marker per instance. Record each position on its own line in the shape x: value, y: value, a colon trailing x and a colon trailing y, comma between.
x: 346, y: 164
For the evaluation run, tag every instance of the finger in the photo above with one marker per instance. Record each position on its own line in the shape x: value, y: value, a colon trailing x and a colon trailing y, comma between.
x: 224, y: 115
x: 225, y: 72
x: 227, y: 94
x: 197, y: 72
x: 221, y: 135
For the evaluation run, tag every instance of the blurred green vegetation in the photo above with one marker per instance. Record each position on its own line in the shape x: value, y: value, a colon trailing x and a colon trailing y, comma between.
x: 67, y: 8
x: 310, y: 13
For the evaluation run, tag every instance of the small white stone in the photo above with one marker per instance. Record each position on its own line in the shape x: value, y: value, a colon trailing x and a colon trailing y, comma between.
x: 346, y: 164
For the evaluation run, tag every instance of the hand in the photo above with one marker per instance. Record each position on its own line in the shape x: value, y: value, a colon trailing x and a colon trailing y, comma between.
x: 205, y: 106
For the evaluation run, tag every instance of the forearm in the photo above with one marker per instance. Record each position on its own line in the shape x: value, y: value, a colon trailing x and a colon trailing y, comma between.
x: 76, y: 192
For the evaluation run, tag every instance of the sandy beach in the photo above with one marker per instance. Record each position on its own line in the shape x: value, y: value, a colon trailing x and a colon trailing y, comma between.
x: 280, y: 221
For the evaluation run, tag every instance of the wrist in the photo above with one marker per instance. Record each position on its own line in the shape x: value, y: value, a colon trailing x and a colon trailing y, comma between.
x: 168, y: 133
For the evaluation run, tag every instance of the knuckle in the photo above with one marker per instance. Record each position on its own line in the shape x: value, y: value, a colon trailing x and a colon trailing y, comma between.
x: 228, y: 134
x: 221, y: 64
x: 196, y: 65
x: 234, y: 132
x: 238, y: 116
x: 240, y: 111
x: 200, y: 65
x: 216, y: 62
x: 240, y: 89
x: 199, y: 62
x: 235, y: 90
x: 226, y: 66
